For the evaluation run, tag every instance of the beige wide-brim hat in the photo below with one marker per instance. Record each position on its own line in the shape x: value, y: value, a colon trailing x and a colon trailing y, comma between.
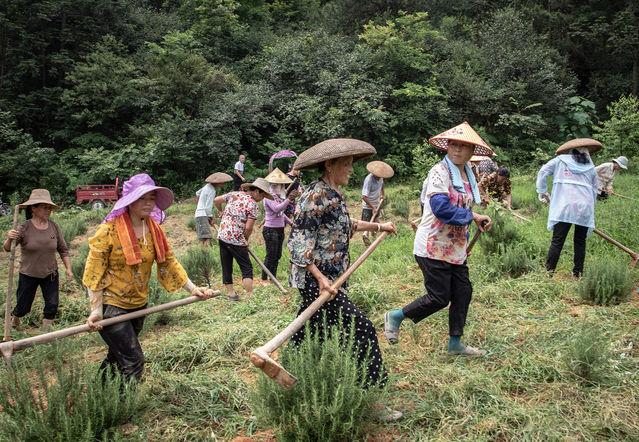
x: 621, y: 162
x: 331, y: 149
x: 278, y: 177
x: 39, y: 196
x: 592, y: 145
x: 380, y: 169
x: 465, y: 134
x: 259, y: 183
x: 218, y: 178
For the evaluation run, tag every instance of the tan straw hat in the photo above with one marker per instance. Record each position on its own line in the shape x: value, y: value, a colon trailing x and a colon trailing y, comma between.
x: 261, y: 184
x: 331, y: 149
x: 218, y: 178
x: 39, y: 196
x: 592, y: 145
x: 465, y: 134
x: 278, y: 177
x: 380, y: 169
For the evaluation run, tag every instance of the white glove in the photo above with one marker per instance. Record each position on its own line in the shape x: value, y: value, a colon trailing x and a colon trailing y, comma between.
x: 544, y: 197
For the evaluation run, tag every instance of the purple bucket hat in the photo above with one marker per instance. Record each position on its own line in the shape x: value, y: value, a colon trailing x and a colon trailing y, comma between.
x: 133, y: 189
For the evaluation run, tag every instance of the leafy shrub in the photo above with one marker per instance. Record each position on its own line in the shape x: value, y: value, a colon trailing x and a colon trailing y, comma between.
x: 77, y: 264
x: 620, y: 133
x: 607, y: 282
x: 191, y: 224
x: 72, y: 227
x: 201, y: 263
x: 587, y: 356
x: 400, y: 207
x: 69, y: 404
x: 503, y: 233
x: 515, y: 261
x: 329, y: 401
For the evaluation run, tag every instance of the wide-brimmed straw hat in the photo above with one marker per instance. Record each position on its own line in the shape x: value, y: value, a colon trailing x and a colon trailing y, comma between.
x: 331, y: 149
x: 465, y: 134
x: 261, y: 184
x: 137, y: 186
x: 592, y: 145
x: 278, y: 177
x: 218, y: 178
x: 39, y: 196
x: 380, y: 169
x: 622, y: 162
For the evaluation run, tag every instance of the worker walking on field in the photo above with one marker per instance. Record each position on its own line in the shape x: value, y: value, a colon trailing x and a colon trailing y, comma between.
x: 606, y: 175
x: 373, y: 190
x: 204, y: 209
x: 442, y: 238
x: 238, y: 173
x: 574, y: 190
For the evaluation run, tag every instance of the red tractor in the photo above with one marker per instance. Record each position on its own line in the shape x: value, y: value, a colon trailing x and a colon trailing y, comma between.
x: 98, y: 195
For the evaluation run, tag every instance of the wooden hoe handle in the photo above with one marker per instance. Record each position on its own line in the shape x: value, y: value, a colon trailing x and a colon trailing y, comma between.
x: 260, y: 357
x: 12, y: 259
x: 267, y: 271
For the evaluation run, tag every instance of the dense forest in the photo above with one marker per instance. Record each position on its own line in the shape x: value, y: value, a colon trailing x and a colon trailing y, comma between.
x: 93, y: 89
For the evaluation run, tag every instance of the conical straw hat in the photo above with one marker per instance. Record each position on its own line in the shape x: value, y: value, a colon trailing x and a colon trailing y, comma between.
x: 259, y: 183
x: 465, y: 134
x: 592, y: 145
x: 218, y: 178
x: 278, y: 177
x: 331, y: 149
x: 380, y: 169
x: 39, y: 196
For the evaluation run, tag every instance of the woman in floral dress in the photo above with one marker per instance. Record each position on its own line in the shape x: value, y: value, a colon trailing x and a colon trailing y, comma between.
x: 442, y: 238
x: 319, y: 243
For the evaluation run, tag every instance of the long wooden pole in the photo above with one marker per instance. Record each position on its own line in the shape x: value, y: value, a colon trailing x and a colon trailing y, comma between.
x: 8, y: 348
x: 373, y: 218
x: 267, y: 271
x: 260, y: 357
x: 12, y: 258
x: 634, y: 255
x: 624, y: 197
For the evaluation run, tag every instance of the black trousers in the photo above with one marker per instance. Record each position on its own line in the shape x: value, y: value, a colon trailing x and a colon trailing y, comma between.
x: 445, y: 283
x: 237, y: 182
x: 367, y: 214
x: 25, y: 294
x: 228, y: 252
x: 559, y: 234
x: 125, y: 352
x: 273, y: 240
x: 342, y: 311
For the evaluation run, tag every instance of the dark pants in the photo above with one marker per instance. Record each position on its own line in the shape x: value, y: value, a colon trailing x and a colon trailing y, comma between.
x: 273, y: 239
x: 228, y: 252
x: 237, y: 182
x: 367, y: 214
x: 125, y: 353
x: 559, y: 234
x: 25, y: 294
x: 602, y: 195
x: 445, y: 283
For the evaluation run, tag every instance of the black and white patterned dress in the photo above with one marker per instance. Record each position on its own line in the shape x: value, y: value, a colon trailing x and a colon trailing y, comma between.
x: 321, y: 233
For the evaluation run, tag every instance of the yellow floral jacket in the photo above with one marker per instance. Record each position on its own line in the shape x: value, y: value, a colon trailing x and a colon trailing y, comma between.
x: 127, y: 286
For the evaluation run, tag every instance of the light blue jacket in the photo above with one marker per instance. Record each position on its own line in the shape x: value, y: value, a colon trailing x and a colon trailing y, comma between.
x: 574, y: 191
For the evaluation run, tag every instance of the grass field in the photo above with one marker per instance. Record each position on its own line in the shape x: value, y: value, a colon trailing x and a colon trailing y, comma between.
x: 198, y: 377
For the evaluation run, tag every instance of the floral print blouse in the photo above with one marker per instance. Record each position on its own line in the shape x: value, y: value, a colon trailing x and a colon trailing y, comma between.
x: 434, y: 239
x: 320, y: 235
x: 127, y: 286
x: 239, y: 208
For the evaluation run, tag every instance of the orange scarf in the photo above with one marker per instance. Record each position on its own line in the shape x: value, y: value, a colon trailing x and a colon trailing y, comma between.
x: 130, y: 247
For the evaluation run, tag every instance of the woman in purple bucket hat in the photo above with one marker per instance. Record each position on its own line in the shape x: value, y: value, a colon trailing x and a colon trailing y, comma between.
x: 118, y: 270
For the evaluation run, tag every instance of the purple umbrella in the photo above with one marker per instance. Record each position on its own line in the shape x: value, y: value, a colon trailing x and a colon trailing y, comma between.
x: 278, y: 155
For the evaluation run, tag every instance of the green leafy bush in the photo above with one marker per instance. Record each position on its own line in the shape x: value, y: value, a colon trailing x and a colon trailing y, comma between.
x: 515, y: 261
x: 503, y: 233
x: 70, y: 404
x: 400, y: 206
x: 607, y: 282
x: 191, y: 224
x: 72, y: 227
x: 587, y: 356
x: 329, y: 401
x: 77, y: 264
x: 201, y: 263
